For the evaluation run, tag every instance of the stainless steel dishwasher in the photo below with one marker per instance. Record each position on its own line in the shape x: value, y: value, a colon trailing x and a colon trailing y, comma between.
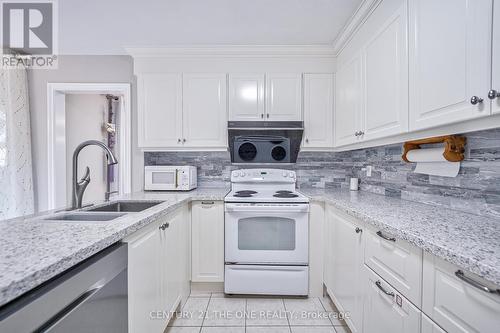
x: 90, y: 297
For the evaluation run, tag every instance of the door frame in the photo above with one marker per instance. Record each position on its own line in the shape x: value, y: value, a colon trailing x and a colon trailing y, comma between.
x: 56, y: 132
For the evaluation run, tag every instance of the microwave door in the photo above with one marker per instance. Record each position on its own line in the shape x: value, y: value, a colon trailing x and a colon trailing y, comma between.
x: 163, y: 180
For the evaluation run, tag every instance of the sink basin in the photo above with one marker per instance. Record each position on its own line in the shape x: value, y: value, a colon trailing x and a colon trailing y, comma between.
x: 84, y: 216
x: 126, y: 206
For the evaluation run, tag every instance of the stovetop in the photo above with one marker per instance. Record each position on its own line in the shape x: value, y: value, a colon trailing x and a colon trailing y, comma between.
x: 264, y: 185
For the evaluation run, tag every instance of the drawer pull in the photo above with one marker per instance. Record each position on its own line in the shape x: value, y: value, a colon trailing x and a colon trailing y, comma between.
x: 207, y: 202
x: 388, y: 293
x: 380, y: 234
x: 474, y: 283
x: 358, y: 230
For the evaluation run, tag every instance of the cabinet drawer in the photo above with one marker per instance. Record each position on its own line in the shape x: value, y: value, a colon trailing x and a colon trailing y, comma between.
x: 457, y: 305
x: 386, y: 310
x: 397, y: 262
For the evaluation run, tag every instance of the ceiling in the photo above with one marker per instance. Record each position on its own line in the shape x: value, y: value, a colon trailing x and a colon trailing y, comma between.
x: 107, y: 26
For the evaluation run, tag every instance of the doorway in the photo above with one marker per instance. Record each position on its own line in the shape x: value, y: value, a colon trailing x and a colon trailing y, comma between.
x: 83, y: 111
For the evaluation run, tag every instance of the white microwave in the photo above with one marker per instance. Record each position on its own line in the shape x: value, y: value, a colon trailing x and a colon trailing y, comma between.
x: 170, y: 178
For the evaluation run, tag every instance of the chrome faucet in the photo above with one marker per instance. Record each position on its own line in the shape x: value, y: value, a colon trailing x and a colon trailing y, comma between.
x: 80, y: 186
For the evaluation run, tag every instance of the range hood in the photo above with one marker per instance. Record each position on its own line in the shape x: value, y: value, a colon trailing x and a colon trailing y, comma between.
x: 264, y: 142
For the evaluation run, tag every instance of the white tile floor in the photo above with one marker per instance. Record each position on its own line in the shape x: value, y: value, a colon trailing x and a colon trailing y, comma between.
x: 216, y: 313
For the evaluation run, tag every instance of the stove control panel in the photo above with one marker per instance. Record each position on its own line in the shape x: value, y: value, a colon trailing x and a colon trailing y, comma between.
x: 263, y: 176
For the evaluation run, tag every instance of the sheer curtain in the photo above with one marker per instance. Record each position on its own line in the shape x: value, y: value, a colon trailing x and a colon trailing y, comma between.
x: 16, y: 173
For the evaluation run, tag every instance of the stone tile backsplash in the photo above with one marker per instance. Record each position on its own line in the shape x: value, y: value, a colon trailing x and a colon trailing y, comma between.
x: 476, y: 189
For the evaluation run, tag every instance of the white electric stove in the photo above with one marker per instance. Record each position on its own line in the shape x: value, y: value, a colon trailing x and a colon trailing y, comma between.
x: 266, y: 234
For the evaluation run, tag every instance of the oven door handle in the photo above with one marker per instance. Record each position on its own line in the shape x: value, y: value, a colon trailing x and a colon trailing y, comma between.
x: 268, y: 209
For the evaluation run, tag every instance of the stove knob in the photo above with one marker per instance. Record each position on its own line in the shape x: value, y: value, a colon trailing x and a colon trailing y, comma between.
x: 236, y: 174
x: 291, y: 175
x: 285, y: 173
x: 242, y: 173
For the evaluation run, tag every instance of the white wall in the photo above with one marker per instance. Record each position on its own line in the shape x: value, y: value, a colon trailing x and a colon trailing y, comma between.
x: 82, y: 69
x: 84, y: 121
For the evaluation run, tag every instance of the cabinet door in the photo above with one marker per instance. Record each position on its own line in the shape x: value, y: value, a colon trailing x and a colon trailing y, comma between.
x: 454, y: 304
x: 428, y: 326
x: 171, y: 262
x: 347, y: 263
x: 385, y: 310
x: 318, y: 110
x: 284, y: 97
x: 208, y: 241
x: 347, y: 121
x: 159, y: 110
x: 450, y: 60
x: 495, y: 107
x: 386, y: 74
x: 144, y: 281
x: 246, y: 97
x: 204, y: 110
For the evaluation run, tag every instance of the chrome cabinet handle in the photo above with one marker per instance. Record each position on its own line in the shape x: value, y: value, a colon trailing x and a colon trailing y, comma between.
x: 358, y: 230
x: 361, y: 133
x: 459, y: 274
x: 388, y: 293
x: 207, y: 202
x: 380, y: 234
x: 267, y: 116
x: 356, y: 133
x: 184, y: 140
x: 164, y: 226
x: 262, y: 115
x: 307, y: 140
x: 492, y: 94
x: 179, y: 140
x: 475, y: 100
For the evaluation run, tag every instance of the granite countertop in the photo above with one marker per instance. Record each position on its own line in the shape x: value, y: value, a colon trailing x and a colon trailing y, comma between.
x: 469, y: 241
x: 32, y: 250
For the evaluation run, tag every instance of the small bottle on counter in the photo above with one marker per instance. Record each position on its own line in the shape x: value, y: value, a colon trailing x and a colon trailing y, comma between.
x: 354, y: 185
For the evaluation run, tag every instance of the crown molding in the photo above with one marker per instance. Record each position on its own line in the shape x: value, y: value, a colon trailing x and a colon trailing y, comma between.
x: 353, y: 24
x: 234, y: 51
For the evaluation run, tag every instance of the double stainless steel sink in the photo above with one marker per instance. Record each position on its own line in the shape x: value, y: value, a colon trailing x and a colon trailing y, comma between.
x: 107, y: 212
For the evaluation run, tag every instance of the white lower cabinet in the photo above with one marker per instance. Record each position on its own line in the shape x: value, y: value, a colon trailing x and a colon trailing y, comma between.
x: 454, y: 303
x: 397, y: 261
x: 385, y: 310
x: 158, y: 277
x: 345, y: 285
x: 207, y: 241
x: 428, y: 326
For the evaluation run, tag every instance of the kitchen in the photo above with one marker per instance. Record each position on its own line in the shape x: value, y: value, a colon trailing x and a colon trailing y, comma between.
x: 269, y: 167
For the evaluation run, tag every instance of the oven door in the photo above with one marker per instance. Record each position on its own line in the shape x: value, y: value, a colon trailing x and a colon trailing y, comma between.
x: 266, y: 233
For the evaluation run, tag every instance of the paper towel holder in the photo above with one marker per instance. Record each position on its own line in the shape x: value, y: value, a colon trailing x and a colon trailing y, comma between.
x: 453, y: 151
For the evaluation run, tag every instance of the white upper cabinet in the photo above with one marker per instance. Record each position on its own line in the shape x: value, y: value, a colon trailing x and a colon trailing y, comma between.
x: 160, y: 110
x: 246, y: 97
x: 318, y: 110
x: 494, y: 94
x: 204, y: 110
x: 450, y: 61
x: 372, y: 78
x: 386, y: 73
x: 284, y: 97
x: 348, y: 102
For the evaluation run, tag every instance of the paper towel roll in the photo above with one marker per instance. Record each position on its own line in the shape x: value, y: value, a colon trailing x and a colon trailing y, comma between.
x: 432, y: 162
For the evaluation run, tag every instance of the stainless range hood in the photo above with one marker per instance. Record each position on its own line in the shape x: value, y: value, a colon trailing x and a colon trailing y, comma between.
x: 264, y: 142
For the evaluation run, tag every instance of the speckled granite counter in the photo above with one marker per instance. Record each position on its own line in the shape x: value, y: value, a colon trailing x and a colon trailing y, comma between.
x: 469, y: 241
x: 33, y: 251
